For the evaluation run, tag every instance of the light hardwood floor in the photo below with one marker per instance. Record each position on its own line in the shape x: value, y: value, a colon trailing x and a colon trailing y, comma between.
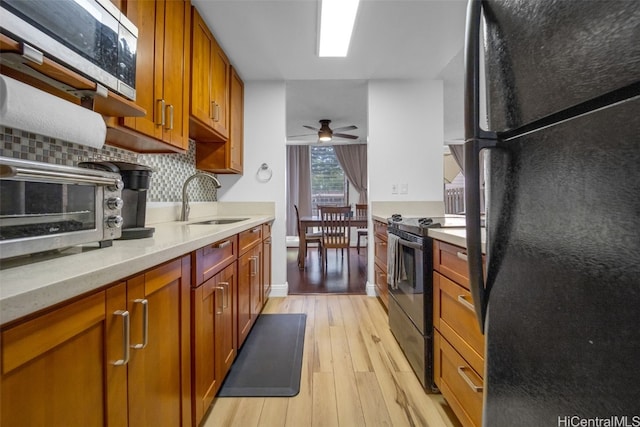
x: 353, y: 374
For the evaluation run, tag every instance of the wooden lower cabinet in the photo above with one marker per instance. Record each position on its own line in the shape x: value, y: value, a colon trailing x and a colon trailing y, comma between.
x: 380, y: 261
x: 160, y: 365
x: 249, y: 291
x: 458, y: 342
x: 214, y: 339
x: 458, y: 382
x: 72, y: 367
x: 58, y: 368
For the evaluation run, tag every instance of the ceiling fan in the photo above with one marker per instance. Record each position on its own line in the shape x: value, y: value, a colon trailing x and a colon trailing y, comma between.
x: 325, y: 133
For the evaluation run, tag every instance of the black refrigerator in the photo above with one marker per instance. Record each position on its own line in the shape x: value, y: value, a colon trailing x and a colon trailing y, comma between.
x: 558, y: 296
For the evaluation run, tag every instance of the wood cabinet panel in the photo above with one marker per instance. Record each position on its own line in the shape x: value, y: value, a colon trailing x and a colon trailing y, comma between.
x: 226, y: 157
x: 451, y: 261
x: 266, y: 269
x: 212, y: 258
x: 159, y: 370
x: 210, y: 68
x: 249, y: 238
x: 455, y: 318
x: 381, y: 284
x: 249, y: 290
x: 459, y: 383
x: 214, y: 340
x: 162, y: 79
x: 80, y: 340
x: 380, y: 260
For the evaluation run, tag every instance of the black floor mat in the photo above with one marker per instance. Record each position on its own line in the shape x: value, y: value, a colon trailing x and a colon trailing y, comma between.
x: 269, y: 363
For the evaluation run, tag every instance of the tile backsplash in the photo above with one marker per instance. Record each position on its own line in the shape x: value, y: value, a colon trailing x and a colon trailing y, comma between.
x: 169, y: 170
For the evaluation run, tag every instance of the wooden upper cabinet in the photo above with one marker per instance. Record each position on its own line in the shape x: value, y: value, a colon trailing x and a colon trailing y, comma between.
x: 162, y: 79
x: 210, y: 71
x: 226, y: 157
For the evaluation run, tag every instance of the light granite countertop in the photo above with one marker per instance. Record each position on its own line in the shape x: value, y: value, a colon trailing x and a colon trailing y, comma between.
x: 29, y: 285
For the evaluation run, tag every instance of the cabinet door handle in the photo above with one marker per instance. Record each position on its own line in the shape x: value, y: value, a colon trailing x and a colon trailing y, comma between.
x: 466, y: 379
x: 126, y: 337
x: 462, y: 256
x: 217, y: 119
x: 145, y: 323
x: 223, y: 244
x: 170, y: 108
x: 219, y: 310
x: 160, y: 107
x: 225, y: 294
x: 462, y: 299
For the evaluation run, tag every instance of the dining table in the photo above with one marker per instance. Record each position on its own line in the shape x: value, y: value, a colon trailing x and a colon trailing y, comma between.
x: 307, y: 222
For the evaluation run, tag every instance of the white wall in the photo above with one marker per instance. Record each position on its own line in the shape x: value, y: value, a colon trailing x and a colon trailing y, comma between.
x: 264, y: 142
x: 405, y: 139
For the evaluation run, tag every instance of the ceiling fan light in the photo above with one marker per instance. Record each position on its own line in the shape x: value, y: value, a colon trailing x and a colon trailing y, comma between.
x: 324, y: 136
x: 337, y: 18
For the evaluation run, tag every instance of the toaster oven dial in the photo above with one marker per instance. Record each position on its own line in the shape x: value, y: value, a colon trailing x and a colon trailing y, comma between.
x: 115, y: 203
x: 114, y: 221
x: 117, y: 186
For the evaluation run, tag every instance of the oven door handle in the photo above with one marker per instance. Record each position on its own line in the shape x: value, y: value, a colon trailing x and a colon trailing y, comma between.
x: 410, y: 244
x: 54, y: 176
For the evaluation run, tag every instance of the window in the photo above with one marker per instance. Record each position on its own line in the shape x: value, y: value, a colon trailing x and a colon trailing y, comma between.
x: 329, y: 185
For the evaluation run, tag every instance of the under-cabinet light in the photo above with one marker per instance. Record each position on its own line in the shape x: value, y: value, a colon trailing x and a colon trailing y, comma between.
x: 337, y: 18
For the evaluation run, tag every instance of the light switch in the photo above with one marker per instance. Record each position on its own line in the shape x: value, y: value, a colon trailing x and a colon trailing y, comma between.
x: 404, y: 188
x: 394, y: 188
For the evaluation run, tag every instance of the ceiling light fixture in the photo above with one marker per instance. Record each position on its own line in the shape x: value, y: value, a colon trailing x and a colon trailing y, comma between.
x: 337, y: 18
x: 325, y: 133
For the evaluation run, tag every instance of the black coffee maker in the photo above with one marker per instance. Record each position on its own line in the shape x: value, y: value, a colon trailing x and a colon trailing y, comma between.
x: 136, y: 180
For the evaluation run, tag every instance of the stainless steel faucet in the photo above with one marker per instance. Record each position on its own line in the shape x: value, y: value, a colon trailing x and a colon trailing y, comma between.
x: 184, y: 216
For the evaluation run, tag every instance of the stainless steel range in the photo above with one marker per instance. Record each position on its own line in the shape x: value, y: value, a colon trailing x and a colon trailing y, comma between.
x: 411, y: 289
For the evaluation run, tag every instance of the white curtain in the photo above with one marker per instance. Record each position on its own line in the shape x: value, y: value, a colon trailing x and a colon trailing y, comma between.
x: 353, y: 160
x: 298, y: 185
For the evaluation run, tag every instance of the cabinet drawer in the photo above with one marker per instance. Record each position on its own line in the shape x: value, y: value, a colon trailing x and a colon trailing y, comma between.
x: 458, y: 382
x: 380, y: 229
x: 381, y: 284
x: 455, y: 318
x: 451, y: 261
x: 266, y: 230
x: 249, y: 238
x: 213, y: 258
x: 380, y: 251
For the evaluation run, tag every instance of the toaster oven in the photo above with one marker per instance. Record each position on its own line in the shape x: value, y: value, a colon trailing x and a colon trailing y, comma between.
x: 44, y: 207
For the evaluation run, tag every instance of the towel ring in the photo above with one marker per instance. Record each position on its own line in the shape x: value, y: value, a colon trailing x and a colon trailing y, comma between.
x: 264, y: 173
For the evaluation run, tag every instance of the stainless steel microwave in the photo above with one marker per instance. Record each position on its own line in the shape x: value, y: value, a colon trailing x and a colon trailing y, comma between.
x: 90, y: 36
x: 45, y: 207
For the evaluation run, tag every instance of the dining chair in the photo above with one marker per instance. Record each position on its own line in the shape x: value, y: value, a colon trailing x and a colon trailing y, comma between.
x: 313, y: 237
x: 361, y: 212
x: 335, y: 223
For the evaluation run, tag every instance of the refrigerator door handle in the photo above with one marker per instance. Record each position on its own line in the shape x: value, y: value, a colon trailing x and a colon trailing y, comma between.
x: 476, y: 139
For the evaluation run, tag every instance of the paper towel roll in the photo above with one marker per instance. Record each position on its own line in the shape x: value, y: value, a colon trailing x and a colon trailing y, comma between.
x: 26, y: 108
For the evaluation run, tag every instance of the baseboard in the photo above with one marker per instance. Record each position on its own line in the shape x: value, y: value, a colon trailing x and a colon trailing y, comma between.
x: 371, y: 289
x: 279, y: 291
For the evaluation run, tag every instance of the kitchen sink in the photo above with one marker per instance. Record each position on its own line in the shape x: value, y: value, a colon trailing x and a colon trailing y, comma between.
x: 219, y: 221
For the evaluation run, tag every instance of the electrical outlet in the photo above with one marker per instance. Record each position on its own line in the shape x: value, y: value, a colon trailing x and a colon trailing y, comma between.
x: 394, y: 188
x: 404, y: 188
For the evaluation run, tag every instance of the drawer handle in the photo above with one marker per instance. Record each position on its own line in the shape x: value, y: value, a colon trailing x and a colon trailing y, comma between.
x: 225, y: 294
x: 126, y: 337
x: 145, y: 323
x: 219, y: 306
x: 255, y: 230
x: 462, y: 256
x: 466, y: 378
x: 463, y: 300
x: 223, y: 244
